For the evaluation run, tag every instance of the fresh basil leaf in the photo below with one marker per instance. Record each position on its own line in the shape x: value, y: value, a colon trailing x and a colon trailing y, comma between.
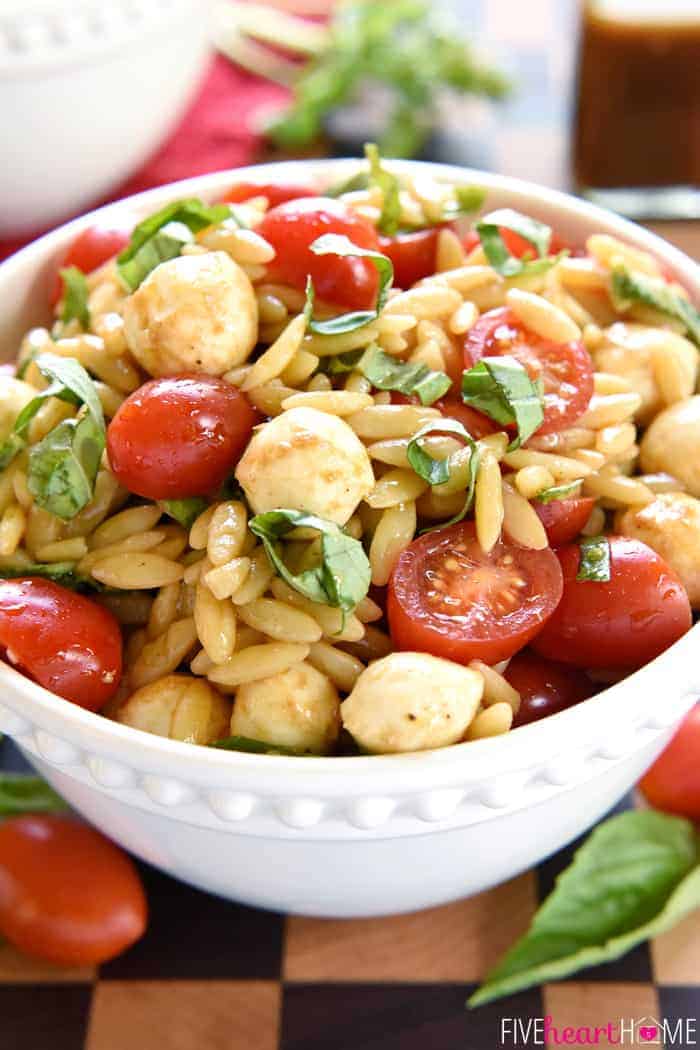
x: 628, y: 287
x: 636, y: 876
x: 63, y: 466
x: 342, y: 363
x: 255, y: 747
x: 75, y: 296
x: 390, y: 217
x: 341, y: 578
x: 27, y: 794
x: 62, y: 572
x: 437, y: 471
x: 594, y: 564
x: 467, y: 200
x: 185, y: 511
x: 568, y: 491
x: 388, y: 373
x: 336, y: 244
x: 359, y: 181
x: 162, y: 235
x: 535, y: 233
x: 501, y: 388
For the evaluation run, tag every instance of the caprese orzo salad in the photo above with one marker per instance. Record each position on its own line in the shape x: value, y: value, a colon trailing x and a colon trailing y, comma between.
x: 328, y: 469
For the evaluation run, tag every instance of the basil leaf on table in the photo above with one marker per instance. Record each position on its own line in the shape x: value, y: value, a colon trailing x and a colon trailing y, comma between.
x: 75, y: 296
x: 341, y: 578
x: 388, y: 373
x: 161, y: 236
x: 390, y: 217
x: 628, y: 287
x: 635, y: 877
x: 337, y: 244
x: 594, y: 565
x: 567, y: 491
x: 501, y: 388
x: 254, y: 747
x: 535, y: 233
x: 185, y: 511
x: 27, y: 794
x: 437, y: 471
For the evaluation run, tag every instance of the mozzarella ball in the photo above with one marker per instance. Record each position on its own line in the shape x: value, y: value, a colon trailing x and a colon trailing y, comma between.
x: 411, y: 702
x: 195, y: 313
x: 14, y: 395
x: 635, y: 351
x: 306, y: 460
x: 672, y: 444
x: 298, y: 708
x: 179, y: 707
x: 670, y: 526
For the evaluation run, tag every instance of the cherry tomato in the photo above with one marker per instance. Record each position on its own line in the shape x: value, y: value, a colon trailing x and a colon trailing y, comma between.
x: 518, y: 246
x: 474, y: 422
x: 673, y: 782
x: 67, y: 894
x: 90, y: 249
x: 447, y: 597
x: 62, y: 640
x: 619, y: 624
x: 179, y: 436
x: 276, y: 194
x: 545, y: 687
x: 292, y: 227
x: 413, y: 254
x: 563, y: 519
x: 566, y: 369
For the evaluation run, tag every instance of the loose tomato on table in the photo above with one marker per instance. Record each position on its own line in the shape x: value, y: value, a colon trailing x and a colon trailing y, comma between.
x: 292, y: 227
x: 276, y: 193
x: 67, y: 894
x: 563, y: 519
x: 412, y: 254
x: 449, y: 598
x: 179, y: 436
x: 620, y: 624
x: 545, y: 687
x: 65, y: 642
x: 566, y: 369
x: 673, y: 782
x: 90, y: 249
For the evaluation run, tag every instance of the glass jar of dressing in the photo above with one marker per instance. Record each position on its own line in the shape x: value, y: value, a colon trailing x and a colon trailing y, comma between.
x: 637, y: 125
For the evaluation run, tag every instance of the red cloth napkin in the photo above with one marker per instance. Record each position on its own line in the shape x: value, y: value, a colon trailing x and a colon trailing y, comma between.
x: 217, y: 132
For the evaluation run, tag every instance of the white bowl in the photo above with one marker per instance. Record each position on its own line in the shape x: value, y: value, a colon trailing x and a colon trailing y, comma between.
x: 348, y: 836
x: 88, y: 89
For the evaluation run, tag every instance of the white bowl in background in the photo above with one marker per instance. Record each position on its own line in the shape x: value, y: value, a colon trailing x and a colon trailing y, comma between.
x: 362, y: 835
x: 88, y: 89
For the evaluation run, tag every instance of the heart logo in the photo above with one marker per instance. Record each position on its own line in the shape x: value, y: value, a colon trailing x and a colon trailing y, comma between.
x: 648, y: 1032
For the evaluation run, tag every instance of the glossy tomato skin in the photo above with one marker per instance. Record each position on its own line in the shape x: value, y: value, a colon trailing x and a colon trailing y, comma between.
x: 475, y: 423
x: 292, y: 227
x: 563, y: 519
x: 276, y: 193
x: 448, y: 598
x: 545, y: 687
x: 179, y: 436
x: 566, y: 369
x: 90, y: 249
x: 67, y: 894
x: 413, y: 254
x: 63, y: 640
x: 621, y: 624
x: 518, y: 246
x: 673, y: 782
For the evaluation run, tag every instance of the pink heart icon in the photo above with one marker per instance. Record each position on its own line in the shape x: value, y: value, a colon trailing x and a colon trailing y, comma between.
x: 648, y: 1032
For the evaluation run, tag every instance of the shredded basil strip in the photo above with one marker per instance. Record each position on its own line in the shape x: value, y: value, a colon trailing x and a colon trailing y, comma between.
x: 628, y: 287
x: 501, y: 388
x: 388, y: 373
x: 535, y: 233
x: 337, y: 244
x: 185, y: 511
x: 75, y: 296
x: 255, y: 747
x: 162, y: 235
x: 62, y: 572
x: 437, y: 471
x: 567, y: 491
x: 390, y: 217
x: 467, y: 200
x: 358, y: 181
x: 594, y: 566
x: 20, y: 793
x: 342, y: 577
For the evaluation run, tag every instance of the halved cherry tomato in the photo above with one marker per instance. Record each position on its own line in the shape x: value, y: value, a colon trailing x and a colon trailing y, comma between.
x: 619, y: 624
x: 447, y: 597
x: 563, y: 519
x: 413, y: 254
x: 67, y: 894
x: 90, y: 249
x: 518, y: 246
x: 474, y: 422
x: 61, y: 639
x: 292, y: 227
x: 544, y: 686
x: 566, y: 369
x: 179, y: 436
x: 276, y: 193
x: 673, y: 782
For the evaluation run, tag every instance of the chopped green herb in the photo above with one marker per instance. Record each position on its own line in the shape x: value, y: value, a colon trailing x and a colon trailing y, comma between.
x: 437, y: 471
x: 185, y: 511
x: 501, y: 388
x: 568, y: 491
x: 358, y: 181
x: 254, y: 747
x: 535, y: 233
x: 75, y: 296
x: 628, y: 287
x: 27, y: 794
x: 390, y: 217
x: 336, y: 244
x: 467, y: 200
x: 387, y: 373
x: 594, y: 565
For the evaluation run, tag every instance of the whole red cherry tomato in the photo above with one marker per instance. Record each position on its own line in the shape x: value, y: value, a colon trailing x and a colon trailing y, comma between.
x: 413, y: 254
x: 292, y: 227
x: 67, y: 894
x: 619, y: 624
x: 276, y: 193
x: 65, y: 642
x: 92, y: 247
x: 449, y: 598
x: 544, y: 686
x: 179, y: 436
x: 563, y: 519
x: 673, y: 782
